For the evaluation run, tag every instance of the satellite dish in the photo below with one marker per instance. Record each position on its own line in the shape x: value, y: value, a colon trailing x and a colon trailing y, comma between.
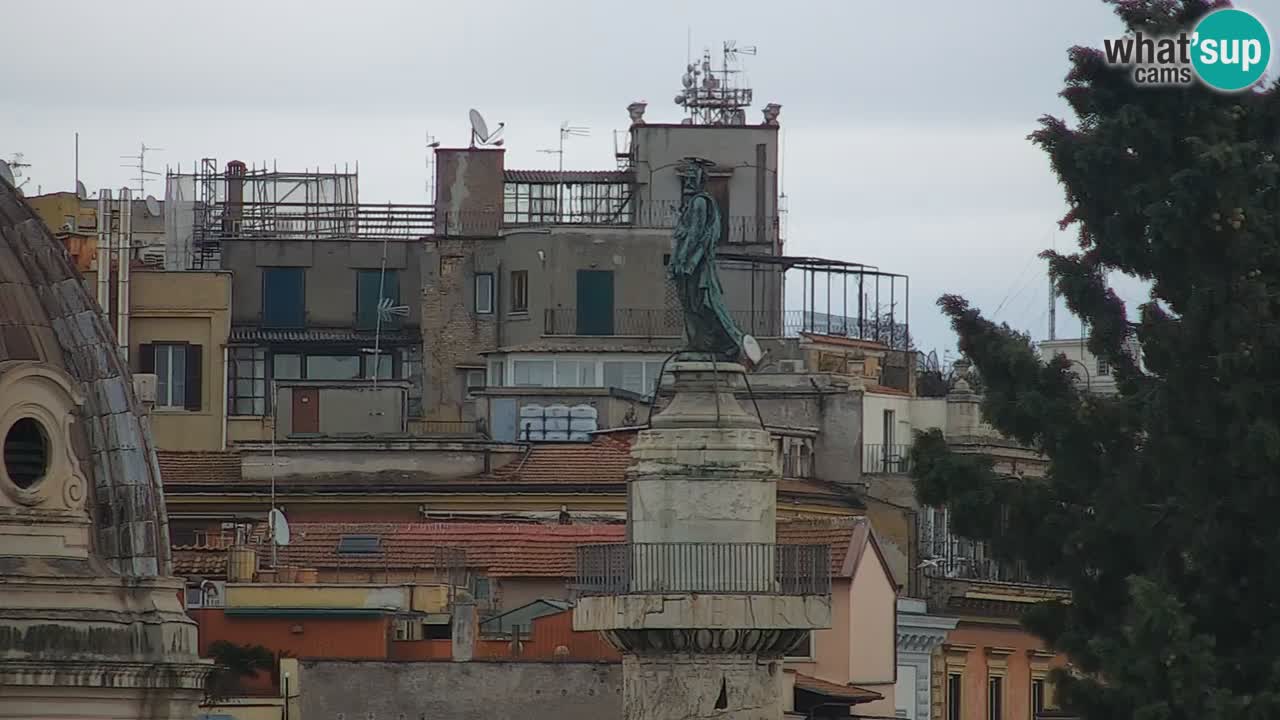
x: 751, y: 348
x: 81, y: 191
x: 153, y: 206
x: 6, y: 174
x: 479, y: 126
x: 279, y: 527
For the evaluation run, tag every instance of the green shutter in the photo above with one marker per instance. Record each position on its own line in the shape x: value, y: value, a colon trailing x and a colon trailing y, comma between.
x: 595, y: 302
x: 367, y: 283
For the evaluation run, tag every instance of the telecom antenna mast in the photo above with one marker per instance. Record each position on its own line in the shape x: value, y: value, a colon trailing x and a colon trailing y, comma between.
x: 716, y: 97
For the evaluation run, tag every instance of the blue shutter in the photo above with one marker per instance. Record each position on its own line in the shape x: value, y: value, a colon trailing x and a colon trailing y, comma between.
x: 283, y: 300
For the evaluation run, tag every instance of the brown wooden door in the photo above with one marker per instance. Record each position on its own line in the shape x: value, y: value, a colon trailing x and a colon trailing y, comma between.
x: 306, y: 410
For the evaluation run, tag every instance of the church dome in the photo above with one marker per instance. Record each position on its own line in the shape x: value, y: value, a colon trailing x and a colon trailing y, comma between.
x: 75, y: 443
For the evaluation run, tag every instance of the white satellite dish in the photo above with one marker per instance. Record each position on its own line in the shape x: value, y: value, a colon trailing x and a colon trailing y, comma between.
x: 153, y: 206
x: 478, y: 125
x: 6, y: 174
x: 751, y: 348
x: 480, y: 134
x: 279, y: 527
x: 81, y: 191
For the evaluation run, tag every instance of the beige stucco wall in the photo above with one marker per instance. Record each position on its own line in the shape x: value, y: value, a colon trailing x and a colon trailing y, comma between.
x: 192, y: 307
x: 873, y: 641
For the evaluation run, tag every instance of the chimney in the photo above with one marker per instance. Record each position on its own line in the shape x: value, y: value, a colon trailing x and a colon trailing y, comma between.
x: 234, y: 204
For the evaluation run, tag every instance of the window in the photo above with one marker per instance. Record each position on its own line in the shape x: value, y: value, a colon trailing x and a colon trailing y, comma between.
x: 283, y: 297
x: 286, y: 367
x: 411, y: 370
x: 533, y: 373
x: 372, y: 287
x: 437, y: 631
x: 383, y: 363
x: 1037, y: 697
x: 529, y: 203
x: 195, y: 596
x: 519, y: 291
x: 333, y: 367
x: 484, y: 293
x: 954, y: 684
x: 475, y: 379
x: 639, y: 377
x: 177, y: 367
x: 802, y: 651
x: 480, y: 589
x: 1103, y: 367
x: 171, y: 374
x: 497, y: 373
x: 247, y: 381
x: 576, y: 373
x: 359, y: 545
x: 995, y: 698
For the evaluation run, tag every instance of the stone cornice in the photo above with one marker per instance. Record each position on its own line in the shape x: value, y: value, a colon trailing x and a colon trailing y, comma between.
x: 958, y: 648
x: 997, y: 651
x: 921, y: 641
x: 90, y: 674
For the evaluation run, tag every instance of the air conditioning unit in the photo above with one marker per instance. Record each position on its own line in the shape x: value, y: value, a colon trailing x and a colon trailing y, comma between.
x: 144, y: 386
x: 791, y: 366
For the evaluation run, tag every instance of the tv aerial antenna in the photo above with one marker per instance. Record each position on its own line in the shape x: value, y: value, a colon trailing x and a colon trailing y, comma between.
x: 11, y: 171
x: 566, y: 131
x: 480, y: 134
x: 140, y: 164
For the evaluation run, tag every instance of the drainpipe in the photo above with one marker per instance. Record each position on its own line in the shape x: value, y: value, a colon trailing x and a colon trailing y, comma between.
x: 125, y: 244
x: 104, y: 251
x: 226, y: 359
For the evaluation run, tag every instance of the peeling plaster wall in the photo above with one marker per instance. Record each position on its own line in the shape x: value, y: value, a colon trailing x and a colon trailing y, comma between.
x: 461, y: 691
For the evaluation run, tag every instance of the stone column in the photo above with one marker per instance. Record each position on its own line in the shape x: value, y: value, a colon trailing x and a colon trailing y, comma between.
x: 701, y: 602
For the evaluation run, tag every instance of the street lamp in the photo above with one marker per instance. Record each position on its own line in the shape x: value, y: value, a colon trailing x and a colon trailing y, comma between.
x: 1088, y: 381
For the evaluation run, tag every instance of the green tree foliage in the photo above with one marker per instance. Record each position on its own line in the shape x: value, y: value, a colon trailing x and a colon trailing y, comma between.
x: 1159, y: 510
x: 232, y: 664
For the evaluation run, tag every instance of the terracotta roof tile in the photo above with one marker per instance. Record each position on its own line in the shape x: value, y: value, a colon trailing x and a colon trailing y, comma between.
x: 569, y: 176
x: 199, y: 468
x: 604, y: 460
x: 504, y: 549
x: 206, y: 562
x: 839, y: 692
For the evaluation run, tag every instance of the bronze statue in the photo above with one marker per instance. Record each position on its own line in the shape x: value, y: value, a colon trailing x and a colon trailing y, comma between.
x: 708, y: 326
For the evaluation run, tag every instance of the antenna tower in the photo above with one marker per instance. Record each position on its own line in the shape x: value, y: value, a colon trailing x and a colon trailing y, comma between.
x: 716, y: 97
x: 140, y: 164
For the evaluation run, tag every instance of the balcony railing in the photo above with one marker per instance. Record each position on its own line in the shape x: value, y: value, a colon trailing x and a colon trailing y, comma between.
x: 452, y: 427
x: 733, y: 568
x: 886, y: 459
x: 959, y: 559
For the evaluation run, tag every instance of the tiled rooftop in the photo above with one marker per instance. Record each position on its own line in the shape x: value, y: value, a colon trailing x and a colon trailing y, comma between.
x: 199, y: 468
x: 505, y: 549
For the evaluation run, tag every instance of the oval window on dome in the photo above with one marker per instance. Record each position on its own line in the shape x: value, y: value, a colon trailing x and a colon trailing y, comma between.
x: 26, y: 453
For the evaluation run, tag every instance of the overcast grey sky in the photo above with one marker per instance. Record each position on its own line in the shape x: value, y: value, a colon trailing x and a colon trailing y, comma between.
x: 904, y: 123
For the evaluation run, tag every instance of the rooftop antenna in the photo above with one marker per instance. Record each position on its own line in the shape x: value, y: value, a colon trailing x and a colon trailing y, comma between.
x: 480, y: 134
x: 712, y: 100
x: 12, y: 170
x: 566, y: 130
x: 141, y: 166
x: 432, y: 144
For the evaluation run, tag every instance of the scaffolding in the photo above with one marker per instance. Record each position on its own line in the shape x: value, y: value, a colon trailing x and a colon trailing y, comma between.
x: 209, y: 207
x: 836, y: 298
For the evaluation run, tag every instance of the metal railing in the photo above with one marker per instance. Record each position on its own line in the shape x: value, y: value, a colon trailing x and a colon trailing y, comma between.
x: 960, y: 559
x: 734, y: 568
x: 737, y: 230
x: 451, y: 427
x: 885, y: 459
x: 653, y: 322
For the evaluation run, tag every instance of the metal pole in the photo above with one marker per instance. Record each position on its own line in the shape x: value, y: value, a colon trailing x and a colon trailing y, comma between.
x: 275, y: 428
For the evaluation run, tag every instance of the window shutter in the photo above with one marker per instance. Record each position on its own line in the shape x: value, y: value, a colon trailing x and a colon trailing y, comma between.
x: 194, y: 377
x: 146, y: 358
